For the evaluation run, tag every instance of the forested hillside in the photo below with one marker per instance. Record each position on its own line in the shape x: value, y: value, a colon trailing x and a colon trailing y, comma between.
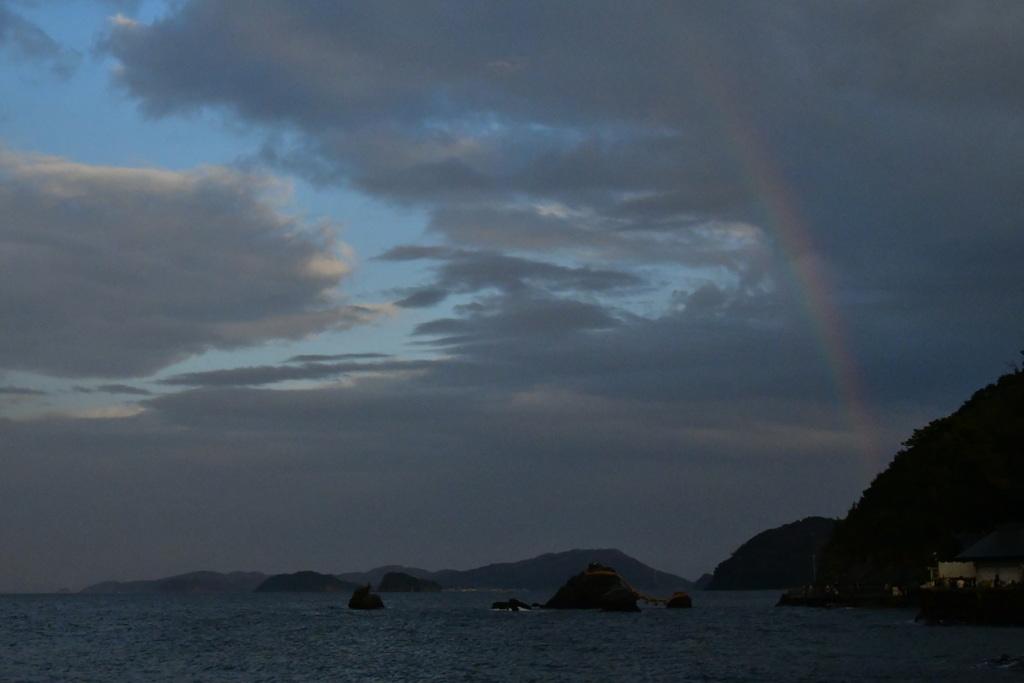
x: 778, y: 558
x: 954, y: 480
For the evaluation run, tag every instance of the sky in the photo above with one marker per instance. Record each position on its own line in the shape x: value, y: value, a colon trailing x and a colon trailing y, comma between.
x: 331, y: 285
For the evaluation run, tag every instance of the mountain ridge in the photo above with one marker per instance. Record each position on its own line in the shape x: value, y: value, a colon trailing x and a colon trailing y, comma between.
x: 546, y: 571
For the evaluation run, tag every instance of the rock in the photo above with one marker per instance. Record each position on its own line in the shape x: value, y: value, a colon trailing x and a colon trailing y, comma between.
x: 400, y: 582
x: 362, y: 598
x: 512, y: 605
x: 597, y: 587
x: 680, y: 599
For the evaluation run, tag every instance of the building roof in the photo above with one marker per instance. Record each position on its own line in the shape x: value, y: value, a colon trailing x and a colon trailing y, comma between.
x: 1005, y: 543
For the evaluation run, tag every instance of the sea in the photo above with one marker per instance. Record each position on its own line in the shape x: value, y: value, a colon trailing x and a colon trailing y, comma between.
x: 455, y: 636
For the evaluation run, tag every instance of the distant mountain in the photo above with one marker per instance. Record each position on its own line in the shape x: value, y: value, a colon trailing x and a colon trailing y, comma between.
x: 305, y: 582
x: 783, y: 557
x: 376, y: 575
x: 551, y: 570
x: 955, y: 480
x: 194, y: 582
x: 400, y: 582
x: 545, y: 572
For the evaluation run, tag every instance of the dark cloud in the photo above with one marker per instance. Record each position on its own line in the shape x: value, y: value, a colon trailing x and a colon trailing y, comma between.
x: 21, y: 391
x: 949, y: 52
x: 794, y: 171
x: 463, y: 272
x: 254, y: 376
x: 119, y: 272
x: 320, y: 358
x: 423, y: 298
x: 123, y: 389
x: 688, y: 135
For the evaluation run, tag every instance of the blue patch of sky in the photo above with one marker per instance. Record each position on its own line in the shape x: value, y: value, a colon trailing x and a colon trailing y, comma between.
x: 87, y: 119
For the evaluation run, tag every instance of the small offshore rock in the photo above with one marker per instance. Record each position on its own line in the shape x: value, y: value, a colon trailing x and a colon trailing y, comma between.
x: 680, y: 599
x: 362, y: 598
x: 512, y: 605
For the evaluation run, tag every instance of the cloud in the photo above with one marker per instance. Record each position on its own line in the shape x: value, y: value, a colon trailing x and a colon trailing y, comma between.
x: 463, y: 272
x: 962, y: 54
x: 118, y: 272
x: 319, y: 358
x: 21, y: 391
x: 123, y: 389
x: 255, y: 376
x: 689, y: 146
x: 32, y: 43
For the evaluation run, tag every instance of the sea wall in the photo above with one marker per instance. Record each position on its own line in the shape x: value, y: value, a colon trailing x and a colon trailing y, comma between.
x: 992, y: 606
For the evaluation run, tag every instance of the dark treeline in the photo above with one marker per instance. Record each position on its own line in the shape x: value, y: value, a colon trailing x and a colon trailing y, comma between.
x: 955, y: 480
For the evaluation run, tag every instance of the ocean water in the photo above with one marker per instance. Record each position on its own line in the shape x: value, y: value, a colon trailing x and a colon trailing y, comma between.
x: 454, y: 636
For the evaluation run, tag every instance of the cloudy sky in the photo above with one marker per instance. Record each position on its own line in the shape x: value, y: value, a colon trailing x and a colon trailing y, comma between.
x: 329, y: 285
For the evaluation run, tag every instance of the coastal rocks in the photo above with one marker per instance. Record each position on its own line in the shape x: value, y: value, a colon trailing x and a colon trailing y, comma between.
x: 400, y: 582
x: 1005, y: 661
x: 679, y: 600
x: 512, y: 605
x: 597, y: 587
x: 362, y: 598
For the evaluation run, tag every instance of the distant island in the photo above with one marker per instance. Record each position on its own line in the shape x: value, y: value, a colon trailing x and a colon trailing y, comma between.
x: 193, y: 582
x: 544, y: 572
x: 305, y: 582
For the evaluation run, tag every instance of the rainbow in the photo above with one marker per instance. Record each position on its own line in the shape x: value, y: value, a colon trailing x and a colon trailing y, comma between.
x: 782, y: 216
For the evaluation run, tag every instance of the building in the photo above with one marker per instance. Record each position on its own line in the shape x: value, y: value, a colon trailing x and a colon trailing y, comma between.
x: 997, y: 559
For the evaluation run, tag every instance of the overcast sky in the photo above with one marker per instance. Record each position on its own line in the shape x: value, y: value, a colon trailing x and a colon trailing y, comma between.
x: 330, y: 285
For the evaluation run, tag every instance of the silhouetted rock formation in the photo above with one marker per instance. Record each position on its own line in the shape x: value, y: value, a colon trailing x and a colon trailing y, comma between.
x: 303, y: 582
x: 400, y: 582
x: 512, y: 605
x: 597, y: 587
x: 362, y: 598
x: 679, y: 600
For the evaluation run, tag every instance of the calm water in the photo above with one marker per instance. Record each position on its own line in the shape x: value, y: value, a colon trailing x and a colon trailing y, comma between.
x: 455, y: 637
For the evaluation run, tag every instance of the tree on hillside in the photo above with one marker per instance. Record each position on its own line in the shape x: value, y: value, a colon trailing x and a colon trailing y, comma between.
x: 954, y: 480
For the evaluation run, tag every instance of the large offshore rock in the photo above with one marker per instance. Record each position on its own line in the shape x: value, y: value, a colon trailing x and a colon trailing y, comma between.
x: 596, y: 587
x: 362, y: 598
